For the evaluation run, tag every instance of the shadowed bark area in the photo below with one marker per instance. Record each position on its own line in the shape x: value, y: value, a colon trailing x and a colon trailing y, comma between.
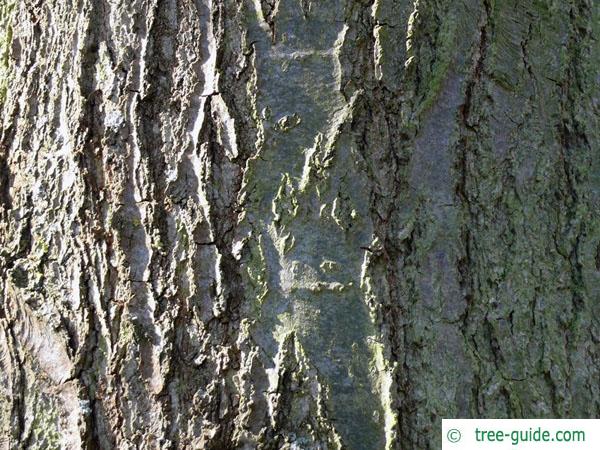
x: 294, y: 224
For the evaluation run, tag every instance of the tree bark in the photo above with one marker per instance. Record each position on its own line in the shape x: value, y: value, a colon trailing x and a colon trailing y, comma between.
x: 292, y: 224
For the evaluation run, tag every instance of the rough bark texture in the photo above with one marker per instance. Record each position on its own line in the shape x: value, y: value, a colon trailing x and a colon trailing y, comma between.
x: 295, y: 224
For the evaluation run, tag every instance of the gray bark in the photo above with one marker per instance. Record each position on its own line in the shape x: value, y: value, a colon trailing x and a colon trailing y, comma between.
x: 295, y: 224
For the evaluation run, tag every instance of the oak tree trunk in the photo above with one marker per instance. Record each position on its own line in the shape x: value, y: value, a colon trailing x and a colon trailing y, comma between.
x: 295, y: 224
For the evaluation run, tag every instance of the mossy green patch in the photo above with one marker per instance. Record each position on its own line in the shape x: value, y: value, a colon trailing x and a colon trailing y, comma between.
x: 446, y: 44
x: 44, y: 426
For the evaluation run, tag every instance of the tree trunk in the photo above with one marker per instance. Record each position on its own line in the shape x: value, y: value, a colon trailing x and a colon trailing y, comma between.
x: 295, y: 224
